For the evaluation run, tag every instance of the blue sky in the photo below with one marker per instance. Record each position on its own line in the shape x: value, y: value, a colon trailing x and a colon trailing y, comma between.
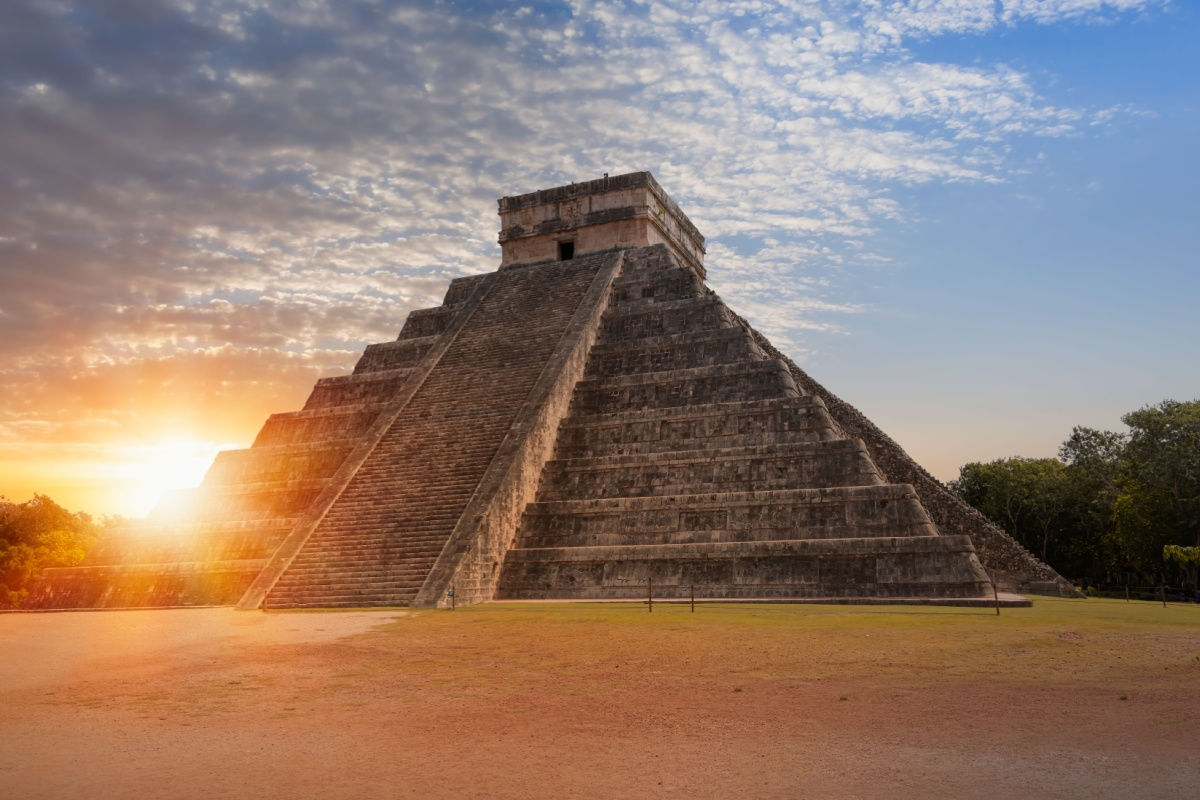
x: 974, y: 220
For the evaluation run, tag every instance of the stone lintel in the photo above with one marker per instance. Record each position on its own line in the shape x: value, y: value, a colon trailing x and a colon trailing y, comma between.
x: 629, y: 210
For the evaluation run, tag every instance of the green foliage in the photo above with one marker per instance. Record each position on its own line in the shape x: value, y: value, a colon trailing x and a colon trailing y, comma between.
x: 1159, y: 480
x: 1110, y: 503
x: 1188, y: 559
x: 1182, y: 555
x: 1025, y: 496
x: 36, y: 534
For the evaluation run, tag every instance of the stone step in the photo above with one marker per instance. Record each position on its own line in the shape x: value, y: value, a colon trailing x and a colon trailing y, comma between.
x: 347, y: 583
x: 712, y: 425
x: 723, y: 383
x: 409, y: 572
x: 347, y: 595
x: 795, y: 466
x: 401, y: 543
x: 376, y: 535
x: 407, y: 569
x: 832, y: 513
x: 399, y: 599
x: 349, y: 525
x: 387, y: 602
x: 365, y: 575
x: 878, y: 567
x: 377, y: 483
x: 382, y: 510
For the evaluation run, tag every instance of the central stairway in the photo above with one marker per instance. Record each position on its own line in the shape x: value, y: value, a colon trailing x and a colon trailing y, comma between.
x: 377, y: 543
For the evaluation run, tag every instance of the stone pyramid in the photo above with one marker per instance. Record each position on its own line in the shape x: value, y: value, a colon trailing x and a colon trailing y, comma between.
x: 588, y: 421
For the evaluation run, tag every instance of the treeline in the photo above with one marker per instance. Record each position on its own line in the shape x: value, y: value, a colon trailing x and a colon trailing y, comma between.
x: 1103, y: 511
x: 36, y: 534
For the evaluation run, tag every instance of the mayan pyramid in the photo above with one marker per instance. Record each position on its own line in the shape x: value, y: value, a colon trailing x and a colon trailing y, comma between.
x: 587, y: 421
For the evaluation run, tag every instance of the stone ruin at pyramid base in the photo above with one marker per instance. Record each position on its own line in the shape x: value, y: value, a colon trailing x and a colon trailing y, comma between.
x: 590, y: 421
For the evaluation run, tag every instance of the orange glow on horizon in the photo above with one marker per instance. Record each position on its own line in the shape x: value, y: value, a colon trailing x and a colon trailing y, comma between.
x: 125, y: 479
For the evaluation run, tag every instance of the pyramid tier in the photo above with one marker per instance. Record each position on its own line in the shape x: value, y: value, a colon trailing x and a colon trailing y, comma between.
x: 361, y: 387
x: 785, y: 420
x: 878, y: 567
x: 841, y: 513
x: 677, y: 351
x: 807, y: 465
x: 319, y: 424
x: 722, y: 383
x: 278, y: 462
x: 394, y: 355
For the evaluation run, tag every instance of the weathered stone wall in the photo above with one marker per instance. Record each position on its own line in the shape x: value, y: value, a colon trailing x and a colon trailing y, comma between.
x: 1011, y: 566
x: 734, y: 469
x: 710, y: 427
x: 841, y: 513
x: 860, y: 568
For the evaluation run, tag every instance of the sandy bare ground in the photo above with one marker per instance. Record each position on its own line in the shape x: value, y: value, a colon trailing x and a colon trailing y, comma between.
x: 1068, y: 699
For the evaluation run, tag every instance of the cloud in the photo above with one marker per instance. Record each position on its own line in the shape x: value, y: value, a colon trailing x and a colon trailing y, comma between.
x: 254, y: 191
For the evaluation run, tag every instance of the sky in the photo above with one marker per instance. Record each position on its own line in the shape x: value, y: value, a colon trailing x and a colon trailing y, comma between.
x: 974, y: 220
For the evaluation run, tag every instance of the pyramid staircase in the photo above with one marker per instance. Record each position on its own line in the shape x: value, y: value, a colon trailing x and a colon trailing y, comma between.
x: 381, y: 537
x: 691, y: 461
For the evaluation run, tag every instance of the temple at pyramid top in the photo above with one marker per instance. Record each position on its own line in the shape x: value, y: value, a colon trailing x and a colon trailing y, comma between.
x: 589, y: 421
x: 624, y: 211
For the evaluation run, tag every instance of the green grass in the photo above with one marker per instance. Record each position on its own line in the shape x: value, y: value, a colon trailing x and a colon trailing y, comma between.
x: 1082, y: 641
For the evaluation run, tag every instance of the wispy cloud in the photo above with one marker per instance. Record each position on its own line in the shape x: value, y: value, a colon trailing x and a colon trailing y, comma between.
x: 256, y: 190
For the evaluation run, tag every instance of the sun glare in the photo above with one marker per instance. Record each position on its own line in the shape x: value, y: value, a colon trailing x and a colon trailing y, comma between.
x: 155, y: 471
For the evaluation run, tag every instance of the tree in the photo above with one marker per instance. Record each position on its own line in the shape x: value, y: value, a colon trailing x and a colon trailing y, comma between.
x: 1158, y: 482
x: 1188, y: 559
x: 36, y: 534
x: 1092, y: 458
x: 1025, y: 496
x: 1110, y: 503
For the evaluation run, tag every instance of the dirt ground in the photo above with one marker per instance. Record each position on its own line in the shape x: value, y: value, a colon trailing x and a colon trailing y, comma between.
x: 1084, y: 698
